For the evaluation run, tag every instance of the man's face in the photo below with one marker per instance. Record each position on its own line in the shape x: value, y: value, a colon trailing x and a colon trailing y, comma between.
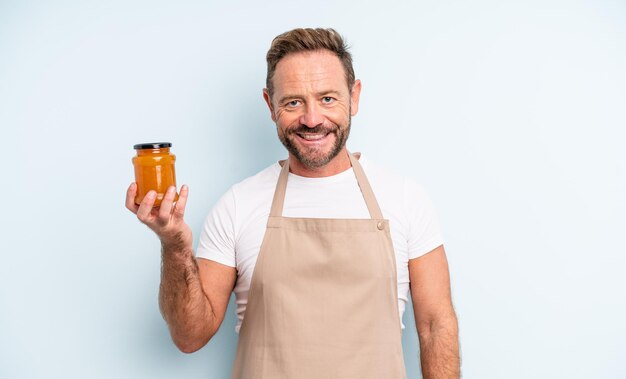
x: 312, y: 106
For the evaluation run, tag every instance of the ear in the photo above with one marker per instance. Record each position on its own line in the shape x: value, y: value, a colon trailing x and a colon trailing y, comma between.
x: 354, y: 97
x: 268, y: 100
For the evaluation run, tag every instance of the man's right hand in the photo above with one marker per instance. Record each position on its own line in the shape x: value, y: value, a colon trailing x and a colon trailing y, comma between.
x: 194, y: 294
x: 167, y: 221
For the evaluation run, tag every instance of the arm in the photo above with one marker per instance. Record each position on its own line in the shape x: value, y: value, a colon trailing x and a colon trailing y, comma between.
x: 434, y: 315
x: 194, y: 295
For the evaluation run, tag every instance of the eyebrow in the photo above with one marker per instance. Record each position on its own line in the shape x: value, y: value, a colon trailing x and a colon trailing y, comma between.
x: 319, y: 94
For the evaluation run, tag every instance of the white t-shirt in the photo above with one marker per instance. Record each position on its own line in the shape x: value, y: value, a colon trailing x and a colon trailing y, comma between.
x: 234, y: 229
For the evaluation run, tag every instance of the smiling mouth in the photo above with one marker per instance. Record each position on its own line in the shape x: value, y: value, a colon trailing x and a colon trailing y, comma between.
x: 312, y: 136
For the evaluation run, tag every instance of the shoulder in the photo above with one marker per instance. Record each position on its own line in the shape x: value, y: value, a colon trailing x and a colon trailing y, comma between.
x: 260, y: 181
x: 251, y: 198
x: 414, y: 223
x: 243, y: 201
x: 380, y: 173
x: 385, y: 181
x: 247, y: 192
x: 396, y: 189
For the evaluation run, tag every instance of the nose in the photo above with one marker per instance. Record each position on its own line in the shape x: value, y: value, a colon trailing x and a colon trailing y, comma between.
x: 312, y: 116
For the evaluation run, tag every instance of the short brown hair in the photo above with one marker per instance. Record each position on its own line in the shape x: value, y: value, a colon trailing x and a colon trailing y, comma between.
x: 309, y: 39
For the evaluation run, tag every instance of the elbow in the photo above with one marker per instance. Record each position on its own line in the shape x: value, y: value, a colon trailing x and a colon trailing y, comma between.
x: 444, y: 322
x: 190, y: 344
x: 188, y: 348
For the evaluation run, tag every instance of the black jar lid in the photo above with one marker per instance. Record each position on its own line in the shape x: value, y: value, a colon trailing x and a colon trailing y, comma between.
x: 154, y: 145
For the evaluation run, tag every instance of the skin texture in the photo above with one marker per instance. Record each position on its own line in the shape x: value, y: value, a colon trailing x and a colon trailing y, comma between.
x: 311, y: 99
x: 194, y: 294
x: 435, y: 318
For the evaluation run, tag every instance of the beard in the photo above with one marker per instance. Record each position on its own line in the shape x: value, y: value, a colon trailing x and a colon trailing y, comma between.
x: 312, y: 157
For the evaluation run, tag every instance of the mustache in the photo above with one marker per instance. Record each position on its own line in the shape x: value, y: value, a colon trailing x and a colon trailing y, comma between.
x: 302, y: 129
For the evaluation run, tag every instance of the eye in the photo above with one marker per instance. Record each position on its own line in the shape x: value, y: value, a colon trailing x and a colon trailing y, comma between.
x: 327, y: 99
x: 293, y: 103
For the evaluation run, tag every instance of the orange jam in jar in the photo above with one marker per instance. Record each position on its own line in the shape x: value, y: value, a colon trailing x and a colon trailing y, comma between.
x: 154, y: 170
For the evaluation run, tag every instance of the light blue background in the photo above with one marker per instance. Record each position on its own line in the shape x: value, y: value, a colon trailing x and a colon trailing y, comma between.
x: 512, y: 114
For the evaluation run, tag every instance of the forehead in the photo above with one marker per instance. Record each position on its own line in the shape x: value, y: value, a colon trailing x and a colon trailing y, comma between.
x: 310, y: 70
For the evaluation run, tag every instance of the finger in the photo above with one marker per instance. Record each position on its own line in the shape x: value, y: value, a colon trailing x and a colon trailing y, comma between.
x: 165, y: 211
x: 145, y: 208
x: 179, y: 208
x: 131, y: 192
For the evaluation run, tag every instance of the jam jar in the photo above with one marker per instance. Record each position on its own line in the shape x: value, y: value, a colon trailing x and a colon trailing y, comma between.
x: 154, y: 170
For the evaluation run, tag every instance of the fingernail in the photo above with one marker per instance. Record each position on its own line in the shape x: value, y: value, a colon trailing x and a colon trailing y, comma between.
x: 151, y: 194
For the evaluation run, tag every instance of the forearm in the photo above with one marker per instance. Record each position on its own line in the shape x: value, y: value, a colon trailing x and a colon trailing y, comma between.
x: 183, y: 303
x: 439, y: 349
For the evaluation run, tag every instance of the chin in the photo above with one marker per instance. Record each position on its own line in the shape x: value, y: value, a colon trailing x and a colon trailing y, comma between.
x: 316, y: 158
x: 313, y: 157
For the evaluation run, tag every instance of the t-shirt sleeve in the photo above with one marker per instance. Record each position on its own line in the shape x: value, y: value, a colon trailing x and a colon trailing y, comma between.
x: 424, y: 230
x: 217, y: 237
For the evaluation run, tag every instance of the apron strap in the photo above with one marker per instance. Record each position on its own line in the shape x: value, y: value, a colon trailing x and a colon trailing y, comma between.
x: 366, y: 189
x: 279, y: 193
x: 361, y: 178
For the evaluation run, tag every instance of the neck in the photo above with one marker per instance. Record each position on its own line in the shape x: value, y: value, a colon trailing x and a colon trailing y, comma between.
x: 337, y: 165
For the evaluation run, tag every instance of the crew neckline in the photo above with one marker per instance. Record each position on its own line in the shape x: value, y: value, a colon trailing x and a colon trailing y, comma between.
x: 342, y: 176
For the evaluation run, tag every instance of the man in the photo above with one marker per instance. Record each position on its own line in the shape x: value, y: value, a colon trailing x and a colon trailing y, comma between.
x: 320, y: 260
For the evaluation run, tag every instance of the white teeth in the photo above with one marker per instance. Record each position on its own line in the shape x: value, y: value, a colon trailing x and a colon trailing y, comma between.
x: 312, y: 137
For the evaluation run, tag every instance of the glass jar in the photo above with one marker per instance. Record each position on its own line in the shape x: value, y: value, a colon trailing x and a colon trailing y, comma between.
x: 154, y: 170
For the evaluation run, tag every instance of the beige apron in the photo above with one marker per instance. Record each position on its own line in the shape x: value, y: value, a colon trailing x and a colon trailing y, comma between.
x: 323, y: 299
